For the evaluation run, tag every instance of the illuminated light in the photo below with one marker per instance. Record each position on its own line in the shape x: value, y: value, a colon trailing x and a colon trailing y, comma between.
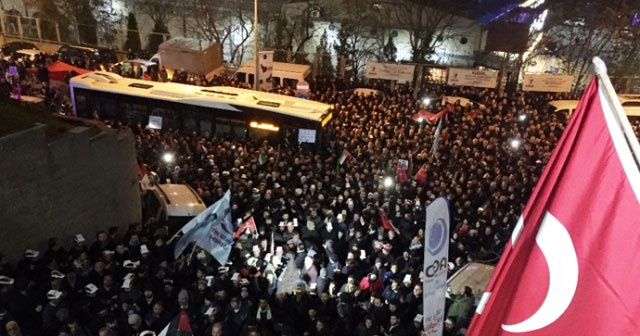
x: 388, y: 182
x: 420, y: 120
x: 515, y: 143
x: 267, y: 127
x: 538, y: 23
x: 533, y: 45
x: 326, y: 119
x: 168, y: 158
x: 426, y: 101
x: 522, y: 117
x: 532, y: 3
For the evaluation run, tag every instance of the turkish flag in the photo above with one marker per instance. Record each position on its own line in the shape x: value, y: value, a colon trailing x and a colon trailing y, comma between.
x: 248, y: 224
x: 421, y: 175
x: 571, y: 266
x: 386, y: 223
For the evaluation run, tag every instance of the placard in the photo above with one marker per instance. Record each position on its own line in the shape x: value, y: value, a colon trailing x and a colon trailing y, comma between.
x: 155, y: 122
x: 547, y: 82
x: 389, y: 71
x: 306, y: 135
x: 472, y: 77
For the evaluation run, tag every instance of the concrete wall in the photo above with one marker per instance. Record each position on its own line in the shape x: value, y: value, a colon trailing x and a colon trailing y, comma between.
x: 62, y: 187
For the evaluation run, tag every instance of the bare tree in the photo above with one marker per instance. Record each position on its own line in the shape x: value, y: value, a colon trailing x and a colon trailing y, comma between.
x: 358, y: 35
x: 430, y: 23
x: 295, y: 27
x: 222, y: 24
x: 157, y: 10
x: 577, y: 34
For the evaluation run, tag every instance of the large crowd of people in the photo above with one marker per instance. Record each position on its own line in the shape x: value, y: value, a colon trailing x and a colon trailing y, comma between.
x: 324, y: 217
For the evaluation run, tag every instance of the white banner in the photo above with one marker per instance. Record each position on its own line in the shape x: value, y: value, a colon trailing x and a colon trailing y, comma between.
x: 472, y: 77
x: 436, y: 251
x: 547, y: 82
x: 265, y: 73
x: 306, y: 135
x: 389, y: 71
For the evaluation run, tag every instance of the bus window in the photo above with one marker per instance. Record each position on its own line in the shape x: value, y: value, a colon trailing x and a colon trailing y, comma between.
x: 275, y: 81
x: 241, y: 77
x: 251, y: 79
x: 222, y: 129
x: 189, y: 123
x: 135, y: 113
x: 169, y: 117
x: 81, y: 106
x: 239, y: 132
x: 292, y: 83
x: 205, y: 126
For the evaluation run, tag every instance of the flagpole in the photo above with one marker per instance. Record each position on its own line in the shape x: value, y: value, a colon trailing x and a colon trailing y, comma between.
x: 601, y: 71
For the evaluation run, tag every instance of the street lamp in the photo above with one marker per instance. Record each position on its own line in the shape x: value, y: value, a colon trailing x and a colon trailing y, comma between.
x: 256, y: 85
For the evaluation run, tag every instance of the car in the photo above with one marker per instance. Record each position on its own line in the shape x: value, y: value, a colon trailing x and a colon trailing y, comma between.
x: 22, y: 54
x: 462, y: 101
x: 102, y: 55
x: 11, y: 47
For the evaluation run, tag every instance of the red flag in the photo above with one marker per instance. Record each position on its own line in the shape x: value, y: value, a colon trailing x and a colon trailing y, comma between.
x: 386, y: 224
x: 401, y: 172
x: 571, y: 267
x: 142, y: 169
x: 421, y: 175
x: 179, y: 326
x: 430, y: 116
x: 248, y: 224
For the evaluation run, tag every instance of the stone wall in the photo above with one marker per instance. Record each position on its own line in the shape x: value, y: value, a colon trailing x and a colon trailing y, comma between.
x: 76, y: 183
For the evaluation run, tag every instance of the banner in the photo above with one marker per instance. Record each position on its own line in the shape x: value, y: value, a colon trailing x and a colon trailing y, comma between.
x: 547, y: 82
x: 436, y: 254
x: 472, y: 77
x: 211, y: 230
x: 265, y: 73
x: 389, y: 71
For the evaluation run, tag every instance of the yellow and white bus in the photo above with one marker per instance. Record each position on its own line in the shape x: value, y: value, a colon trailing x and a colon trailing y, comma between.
x: 221, y: 110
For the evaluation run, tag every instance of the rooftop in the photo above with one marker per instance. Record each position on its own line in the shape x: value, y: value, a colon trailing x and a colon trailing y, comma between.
x: 18, y: 116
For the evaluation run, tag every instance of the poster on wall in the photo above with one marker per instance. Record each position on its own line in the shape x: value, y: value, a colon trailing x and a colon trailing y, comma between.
x: 389, y: 71
x: 472, y: 77
x: 547, y: 82
x: 265, y: 74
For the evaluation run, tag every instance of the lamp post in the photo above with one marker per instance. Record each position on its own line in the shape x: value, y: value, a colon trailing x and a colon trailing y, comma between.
x: 256, y: 84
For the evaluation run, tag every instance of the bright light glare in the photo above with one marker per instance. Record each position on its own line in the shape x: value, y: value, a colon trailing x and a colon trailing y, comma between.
x: 522, y: 117
x: 388, y: 182
x: 168, y: 157
x: 426, y: 101
x: 515, y: 143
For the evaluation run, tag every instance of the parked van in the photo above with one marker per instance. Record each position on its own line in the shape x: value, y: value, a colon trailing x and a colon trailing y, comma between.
x: 630, y: 103
x: 284, y: 74
x: 172, y: 205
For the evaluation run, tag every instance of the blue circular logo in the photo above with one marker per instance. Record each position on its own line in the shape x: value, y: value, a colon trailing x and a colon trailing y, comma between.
x: 437, y: 237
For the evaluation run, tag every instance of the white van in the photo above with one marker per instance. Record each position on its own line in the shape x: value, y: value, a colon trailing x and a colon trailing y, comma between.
x: 630, y: 103
x: 284, y: 74
x: 171, y: 204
